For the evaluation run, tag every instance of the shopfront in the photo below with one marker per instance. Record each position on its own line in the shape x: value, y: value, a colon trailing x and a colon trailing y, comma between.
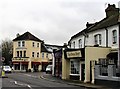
x: 75, y: 59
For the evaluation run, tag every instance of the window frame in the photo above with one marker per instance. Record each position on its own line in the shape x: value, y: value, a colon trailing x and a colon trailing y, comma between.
x: 80, y: 43
x: 114, y: 36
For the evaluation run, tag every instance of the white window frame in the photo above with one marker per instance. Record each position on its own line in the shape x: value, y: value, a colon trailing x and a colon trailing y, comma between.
x: 74, y: 44
x: 23, y: 43
x: 42, y: 55
x: 37, y: 44
x: 75, y: 67
x: 80, y: 43
x: 33, y: 44
x: 114, y: 36
x: 33, y: 54
x: 38, y: 54
x: 19, y: 44
x: 98, y: 39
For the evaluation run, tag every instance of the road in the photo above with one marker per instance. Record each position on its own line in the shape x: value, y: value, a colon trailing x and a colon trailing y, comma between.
x: 32, y: 81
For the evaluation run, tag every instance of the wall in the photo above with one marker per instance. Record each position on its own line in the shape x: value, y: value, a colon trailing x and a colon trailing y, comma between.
x: 90, y: 40
x: 110, y: 44
x: 93, y: 53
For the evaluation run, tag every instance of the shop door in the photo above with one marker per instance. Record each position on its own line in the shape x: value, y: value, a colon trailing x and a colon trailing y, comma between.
x: 82, y: 72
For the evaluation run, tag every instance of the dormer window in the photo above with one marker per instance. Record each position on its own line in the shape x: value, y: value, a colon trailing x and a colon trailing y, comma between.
x: 114, y: 33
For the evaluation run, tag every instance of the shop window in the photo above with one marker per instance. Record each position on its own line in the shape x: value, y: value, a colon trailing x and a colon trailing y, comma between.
x: 17, y: 66
x: 114, y: 36
x: 74, y: 66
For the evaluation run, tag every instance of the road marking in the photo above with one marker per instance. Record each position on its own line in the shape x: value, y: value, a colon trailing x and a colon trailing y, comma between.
x: 20, y: 84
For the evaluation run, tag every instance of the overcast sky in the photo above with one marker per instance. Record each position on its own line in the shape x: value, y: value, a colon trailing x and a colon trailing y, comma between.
x: 53, y: 21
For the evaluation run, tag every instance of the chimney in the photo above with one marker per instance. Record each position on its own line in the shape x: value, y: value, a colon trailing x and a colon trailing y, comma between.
x: 17, y: 35
x: 111, y: 10
x: 88, y: 24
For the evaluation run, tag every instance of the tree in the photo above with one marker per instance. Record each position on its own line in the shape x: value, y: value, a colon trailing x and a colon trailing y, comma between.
x: 7, y: 51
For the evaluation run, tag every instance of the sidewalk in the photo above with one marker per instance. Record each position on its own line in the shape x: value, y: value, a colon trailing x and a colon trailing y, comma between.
x: 51, y: 78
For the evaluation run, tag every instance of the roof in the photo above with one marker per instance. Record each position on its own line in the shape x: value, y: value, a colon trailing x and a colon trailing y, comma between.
x: 44, y: 49
x: 27, y: 36
x: 54, y: 45
x: 106, y: 22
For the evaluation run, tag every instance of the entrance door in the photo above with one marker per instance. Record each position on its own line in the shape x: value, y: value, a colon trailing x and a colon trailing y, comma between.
x: 82, y: 72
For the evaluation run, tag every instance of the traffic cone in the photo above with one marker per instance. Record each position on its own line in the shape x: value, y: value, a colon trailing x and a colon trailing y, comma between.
x: 3, y: 74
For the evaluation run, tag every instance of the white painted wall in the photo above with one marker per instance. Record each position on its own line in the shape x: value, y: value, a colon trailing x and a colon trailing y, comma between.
x: 110, y: 42
x: 90, y: 40
x: 76, y: 40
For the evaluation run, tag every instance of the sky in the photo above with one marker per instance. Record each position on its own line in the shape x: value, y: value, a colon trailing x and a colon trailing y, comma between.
x: 53, y: 21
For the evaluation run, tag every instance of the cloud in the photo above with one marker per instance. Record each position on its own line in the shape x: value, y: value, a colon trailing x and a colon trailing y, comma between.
x: 54, y: 21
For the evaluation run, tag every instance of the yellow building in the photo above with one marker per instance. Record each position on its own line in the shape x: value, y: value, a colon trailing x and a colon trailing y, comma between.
x: 29, y: 53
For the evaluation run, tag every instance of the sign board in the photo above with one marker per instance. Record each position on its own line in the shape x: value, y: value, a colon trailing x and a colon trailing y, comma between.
x: 73, y: 54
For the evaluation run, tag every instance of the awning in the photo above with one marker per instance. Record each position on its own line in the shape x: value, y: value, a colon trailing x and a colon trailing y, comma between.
x: 36, y: 63
x: 112, y: 55
x: 23, y: 62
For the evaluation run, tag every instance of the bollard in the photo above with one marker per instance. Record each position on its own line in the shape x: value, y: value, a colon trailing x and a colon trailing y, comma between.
x: 3, y: 74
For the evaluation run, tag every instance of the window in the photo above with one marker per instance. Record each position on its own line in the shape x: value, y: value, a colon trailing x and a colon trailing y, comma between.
x: 80, y: 43
x: 47, y: 55
x: 37, y: 44
x: 114, y: 36
x: 20, y: 53
x: 43, y: 55
x: 33, y: 44
x: 19, y: 44
x: 17, y: 53
x: 74, y: 66
x: 33, y: 54
x: 23, y: 43
x: 74, y: 44
x: 24, y: 53
x: 37, y: 54
x: 98, y: 39
x: 70, y: 45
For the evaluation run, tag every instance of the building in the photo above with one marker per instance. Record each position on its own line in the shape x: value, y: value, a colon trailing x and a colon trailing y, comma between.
x: 97, y: 42
x: 29, y: 53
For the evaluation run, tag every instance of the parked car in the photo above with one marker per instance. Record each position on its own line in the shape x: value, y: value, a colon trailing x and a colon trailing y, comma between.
x: 49, y: 69
x: 7, y: 69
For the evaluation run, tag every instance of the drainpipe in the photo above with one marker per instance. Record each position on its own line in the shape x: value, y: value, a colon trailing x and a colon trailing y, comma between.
x: 119, y: 45
x: 106, y: 37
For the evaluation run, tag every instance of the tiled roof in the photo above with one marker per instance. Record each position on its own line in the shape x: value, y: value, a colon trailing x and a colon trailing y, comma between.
x: 44, y: 49
x: 106, y: 22
x: 27, y: 36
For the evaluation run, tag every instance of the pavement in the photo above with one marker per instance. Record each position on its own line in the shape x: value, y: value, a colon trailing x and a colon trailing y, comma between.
x: 52, y: 78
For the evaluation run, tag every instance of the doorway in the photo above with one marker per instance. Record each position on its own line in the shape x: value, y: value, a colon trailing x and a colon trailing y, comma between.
x: 82, y: 72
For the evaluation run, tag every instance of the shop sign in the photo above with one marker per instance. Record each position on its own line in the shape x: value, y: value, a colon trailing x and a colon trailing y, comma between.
x: 73, y: 54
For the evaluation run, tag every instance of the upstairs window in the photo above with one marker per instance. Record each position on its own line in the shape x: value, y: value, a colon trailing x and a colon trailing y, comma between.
x: 80, y: 43
x: 33, y: 44
x: 47, y: 55
x: 20, y: 53
x: 37, y: 54
x: 23, y: 43
x: 42, y: 55
x: 33, y: 54
x: 74, y: 44
x: 19, y: 44
x: 24, y: 53
x: 17, y: 53
x: 98, y: 39
x: 114, y: 32
x: 37, y: 44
